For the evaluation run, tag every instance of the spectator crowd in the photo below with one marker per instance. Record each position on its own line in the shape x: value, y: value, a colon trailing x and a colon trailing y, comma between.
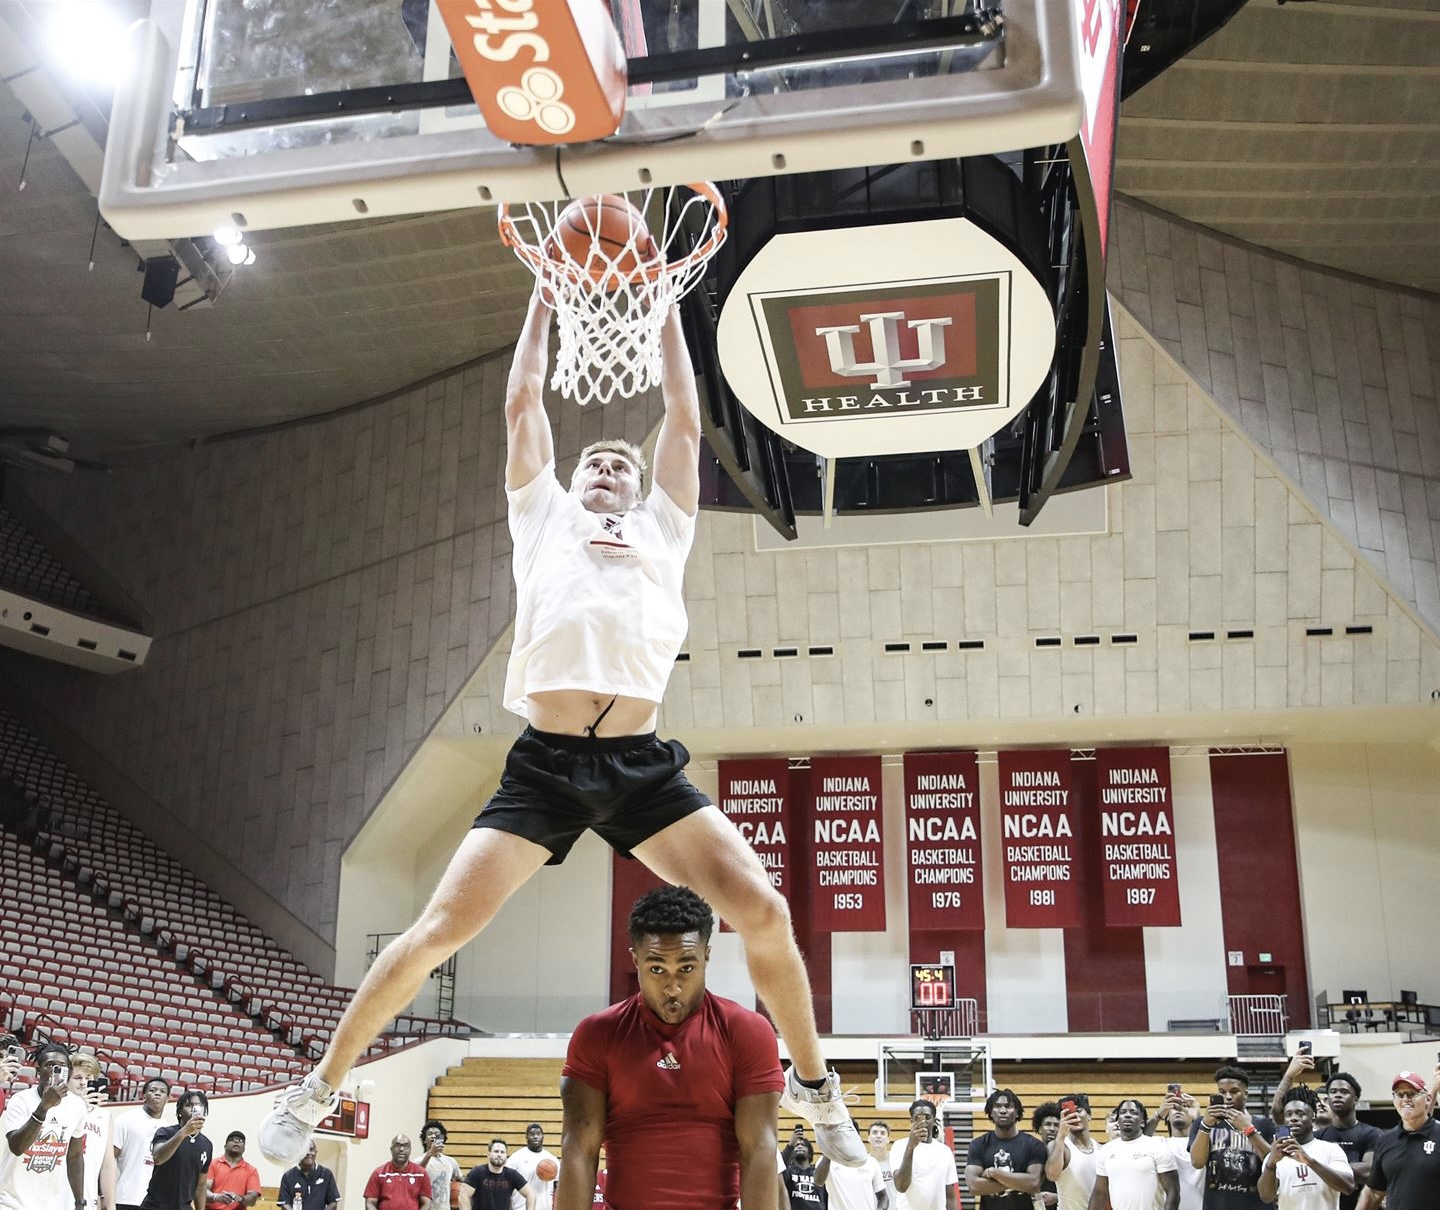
x: 1310, y: 1152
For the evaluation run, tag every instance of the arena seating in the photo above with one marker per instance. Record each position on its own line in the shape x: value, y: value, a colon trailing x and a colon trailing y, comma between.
x: 155, y: 945
x: 27, y: 568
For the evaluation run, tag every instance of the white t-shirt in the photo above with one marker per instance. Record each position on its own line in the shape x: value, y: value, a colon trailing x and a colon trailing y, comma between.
x: 855, y: 1188
x: 39, y: 1179
x: 1133, y: 1168
x: 887, y: 1174
x: 930, y: 1172
x: 1078, y: 1178
x: 524, y: 1162
x: 598, y: 605
x: 97, y: 1138
x: 1192, y: 1179
x: 133, y: 1134
x: 1300, y: 1185
x: 442, y: 1169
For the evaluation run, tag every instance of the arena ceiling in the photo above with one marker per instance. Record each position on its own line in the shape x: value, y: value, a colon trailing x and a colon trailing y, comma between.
x: 1309, y: 128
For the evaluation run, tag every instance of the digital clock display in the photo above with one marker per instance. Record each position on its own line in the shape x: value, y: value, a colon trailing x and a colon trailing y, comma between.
x: 932, y: 986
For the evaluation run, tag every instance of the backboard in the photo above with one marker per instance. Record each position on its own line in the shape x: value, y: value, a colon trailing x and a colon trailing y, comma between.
x: 292, y: 113
x: 954, y: 1075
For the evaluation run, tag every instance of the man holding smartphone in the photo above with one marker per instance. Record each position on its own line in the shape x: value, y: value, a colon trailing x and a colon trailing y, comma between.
x: 1071, y: 1159
x: 42, y: 1165
x: 182, y: 1158
x: 1229, y: 1146
x: 924, y: 1165
x: 1303, y: 1172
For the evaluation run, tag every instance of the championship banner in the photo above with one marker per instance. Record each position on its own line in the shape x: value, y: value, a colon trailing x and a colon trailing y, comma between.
x: 847, y: 876
x: 942, y: 841
x: 754, y: 794
x: 1137, y: 830
x: 1037, y: 825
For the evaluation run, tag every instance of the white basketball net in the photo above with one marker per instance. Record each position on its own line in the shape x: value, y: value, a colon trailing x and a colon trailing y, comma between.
x: 610, y: 309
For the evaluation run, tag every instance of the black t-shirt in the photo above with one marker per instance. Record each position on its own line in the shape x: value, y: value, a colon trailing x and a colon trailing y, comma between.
x: 317, y: 1190
x: 1407, y: 1167
x: 1009, y: 1155
x: 1354, y: 1141
x: 805, y: 1194
x: 172, y: 1184
x: 493, y: 1189
x: 1233, y: 1170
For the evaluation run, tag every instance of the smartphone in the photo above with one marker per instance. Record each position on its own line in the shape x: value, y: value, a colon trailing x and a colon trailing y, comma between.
x: 1282, y: 1132
x: 1173, y: 1089
x: 1216, y: 1099
x: 1068, y: 1106
x: 98, y: 1084
x: 13, y: 1050
x: 197, y: 1111
x: 1303, y: 1048
x: 59, y: 1075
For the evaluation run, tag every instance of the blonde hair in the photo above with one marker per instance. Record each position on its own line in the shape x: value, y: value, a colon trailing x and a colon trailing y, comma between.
x: 86, y: 1063
x: 617, y: 445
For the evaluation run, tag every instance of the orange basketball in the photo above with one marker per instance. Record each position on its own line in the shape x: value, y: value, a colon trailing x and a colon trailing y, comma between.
x: 599, y: 232
x: 547, y: 1169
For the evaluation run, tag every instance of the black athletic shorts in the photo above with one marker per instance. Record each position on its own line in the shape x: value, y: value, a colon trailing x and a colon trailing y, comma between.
x: 624, y: 788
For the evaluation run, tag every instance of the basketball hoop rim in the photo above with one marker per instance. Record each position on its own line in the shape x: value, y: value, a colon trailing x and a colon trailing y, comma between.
x: 541, y: 263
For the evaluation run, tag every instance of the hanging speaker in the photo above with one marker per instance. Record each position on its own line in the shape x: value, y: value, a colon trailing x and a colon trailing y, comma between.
x: 161, y: 274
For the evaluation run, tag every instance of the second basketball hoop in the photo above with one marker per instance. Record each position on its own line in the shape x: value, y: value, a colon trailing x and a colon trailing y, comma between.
x: 612, y: 281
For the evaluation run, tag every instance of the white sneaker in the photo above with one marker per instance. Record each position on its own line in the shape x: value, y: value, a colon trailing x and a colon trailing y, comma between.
x: 285, y: 1133
x: 825, y: 1109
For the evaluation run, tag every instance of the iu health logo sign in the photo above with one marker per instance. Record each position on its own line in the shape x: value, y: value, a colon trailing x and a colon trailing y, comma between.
x: 870, y: 352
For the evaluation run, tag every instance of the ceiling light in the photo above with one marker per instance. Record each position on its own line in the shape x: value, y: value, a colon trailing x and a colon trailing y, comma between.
x: 249, y: 257
x: 227, y: 236
x: 88, y: 42
x: 237, y: 253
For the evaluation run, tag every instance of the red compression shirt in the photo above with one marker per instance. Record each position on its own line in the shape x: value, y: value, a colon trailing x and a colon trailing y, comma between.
x: 670, y: 1098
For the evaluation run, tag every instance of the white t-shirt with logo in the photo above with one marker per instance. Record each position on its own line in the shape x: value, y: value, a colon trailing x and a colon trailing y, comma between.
x: 1078, y: 1177
x: 1133, y: 1167
x: 887, y: 1174
x: 524, y: 1162
x: 855, y: 1188
x: 39, y: 1179
x: 1300, y: 1185
x: 97, y: 1138
x: 133, y: 1134
x: 932, y: 1170
x: 598, y: 601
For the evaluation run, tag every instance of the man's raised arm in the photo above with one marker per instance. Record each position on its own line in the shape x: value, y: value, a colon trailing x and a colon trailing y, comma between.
x: 528, y: 442
x: 677, y: 449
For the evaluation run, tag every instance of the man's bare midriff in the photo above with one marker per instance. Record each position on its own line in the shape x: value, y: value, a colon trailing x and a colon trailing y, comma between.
x: 571, y: 711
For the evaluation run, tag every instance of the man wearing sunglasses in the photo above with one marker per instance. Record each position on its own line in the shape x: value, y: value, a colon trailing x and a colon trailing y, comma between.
x: 1406, y: 1171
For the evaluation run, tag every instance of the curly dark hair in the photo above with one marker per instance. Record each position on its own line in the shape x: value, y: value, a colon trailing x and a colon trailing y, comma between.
x: 1003, y: 1094
x: 1051, y: 1109
x: 1231, y: 1072
x: 669, y: 911
x: 1345, y: 1078
x: 1298, y: 1092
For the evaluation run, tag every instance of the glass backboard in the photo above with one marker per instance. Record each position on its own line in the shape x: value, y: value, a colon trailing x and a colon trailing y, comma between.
x: 272, y: 113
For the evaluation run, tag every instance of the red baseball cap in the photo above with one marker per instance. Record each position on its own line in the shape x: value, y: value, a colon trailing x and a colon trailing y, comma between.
x: 1410, y: 1079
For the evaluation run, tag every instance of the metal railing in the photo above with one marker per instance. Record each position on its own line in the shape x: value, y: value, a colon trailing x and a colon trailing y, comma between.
x: 1257, y: 1016
x: 960, y: 1021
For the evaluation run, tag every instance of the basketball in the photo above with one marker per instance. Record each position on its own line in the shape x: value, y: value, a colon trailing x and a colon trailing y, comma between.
x: 601, y: 234
x: 547, y: 1169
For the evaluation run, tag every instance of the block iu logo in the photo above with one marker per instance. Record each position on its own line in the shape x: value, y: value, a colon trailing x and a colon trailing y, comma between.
x: 886, y: 367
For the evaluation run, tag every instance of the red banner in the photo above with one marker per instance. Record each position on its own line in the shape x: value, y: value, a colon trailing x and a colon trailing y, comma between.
x: 847, y: 876
x: 1037, y: 826
x: 942, y: 840
x: 754, y: 794
x: 1137, y: 829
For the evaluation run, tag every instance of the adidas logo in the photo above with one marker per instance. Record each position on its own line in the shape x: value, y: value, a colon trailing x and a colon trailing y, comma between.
x: 669, y: 1062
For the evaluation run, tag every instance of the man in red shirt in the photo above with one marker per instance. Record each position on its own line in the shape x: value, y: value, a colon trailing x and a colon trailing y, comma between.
x: 398, y: 1185
x: 680, y: 1087
x: 233, y: 1179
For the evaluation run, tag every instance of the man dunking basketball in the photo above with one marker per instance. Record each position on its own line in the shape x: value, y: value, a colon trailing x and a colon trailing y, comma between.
x: 599, y: 620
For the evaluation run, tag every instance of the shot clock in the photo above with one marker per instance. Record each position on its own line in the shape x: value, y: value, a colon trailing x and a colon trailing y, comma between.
x: 932, y: 986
